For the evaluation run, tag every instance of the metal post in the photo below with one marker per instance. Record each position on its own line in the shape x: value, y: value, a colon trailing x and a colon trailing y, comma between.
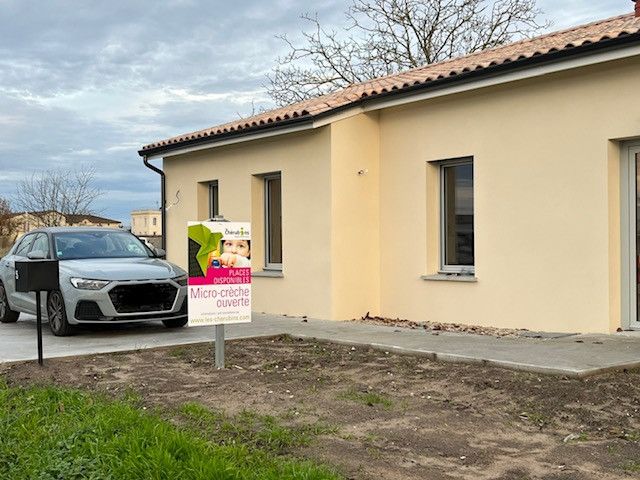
x: 39, y: 324
x: 219, y: 346
x: 219, y: 328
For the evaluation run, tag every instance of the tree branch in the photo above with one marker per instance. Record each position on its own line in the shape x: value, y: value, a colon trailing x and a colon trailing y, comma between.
x: 383, y: 37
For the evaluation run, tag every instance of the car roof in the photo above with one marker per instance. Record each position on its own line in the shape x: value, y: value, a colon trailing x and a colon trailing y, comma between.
x: 76, y: 229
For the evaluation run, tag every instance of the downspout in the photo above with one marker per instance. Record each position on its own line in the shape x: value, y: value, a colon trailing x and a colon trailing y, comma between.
x: 163, y: 210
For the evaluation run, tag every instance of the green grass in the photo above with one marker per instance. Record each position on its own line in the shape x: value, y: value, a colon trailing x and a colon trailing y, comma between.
x: 50, y: 433
x: 371, y: 399
x: 532, y: 413
x: 269, y: 366
x: 632, y: 466
x: 633, y: 436
x: 179, y: 352
x: 248, y: 428
x: 581, y: 437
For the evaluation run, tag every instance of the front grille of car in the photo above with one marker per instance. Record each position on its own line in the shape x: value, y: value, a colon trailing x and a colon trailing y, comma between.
x: 143, y: 297
x: 183, y: 308
x: 87, y: 310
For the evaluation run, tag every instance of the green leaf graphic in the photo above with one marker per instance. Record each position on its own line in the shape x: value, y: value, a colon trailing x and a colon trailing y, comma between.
x: 208, y: 242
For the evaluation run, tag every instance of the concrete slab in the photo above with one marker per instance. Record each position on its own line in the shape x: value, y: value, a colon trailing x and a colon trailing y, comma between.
x: 575, y: 355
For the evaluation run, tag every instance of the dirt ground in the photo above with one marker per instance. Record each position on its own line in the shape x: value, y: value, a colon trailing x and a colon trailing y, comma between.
x: 396, y: 416
x: 436, y: 327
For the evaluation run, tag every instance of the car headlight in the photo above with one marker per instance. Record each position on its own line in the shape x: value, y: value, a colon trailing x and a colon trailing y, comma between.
x: 86, y: 284
x: 181, y: 280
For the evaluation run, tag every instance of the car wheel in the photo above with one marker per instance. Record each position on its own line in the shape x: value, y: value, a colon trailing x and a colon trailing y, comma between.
x: 57, y: 315
x: 6, y: 314
x: 175, y: 322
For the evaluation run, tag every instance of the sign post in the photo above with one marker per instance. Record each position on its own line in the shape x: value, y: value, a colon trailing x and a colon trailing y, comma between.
x: 219, y: 345
x: 219, y: 291
x: 39, y: 326
x: 37, y: 276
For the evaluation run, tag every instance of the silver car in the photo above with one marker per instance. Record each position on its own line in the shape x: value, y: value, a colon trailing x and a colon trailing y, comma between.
x: 106, y: 276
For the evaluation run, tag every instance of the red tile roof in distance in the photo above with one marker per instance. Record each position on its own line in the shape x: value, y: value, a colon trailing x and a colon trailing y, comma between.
x: 565, y: 40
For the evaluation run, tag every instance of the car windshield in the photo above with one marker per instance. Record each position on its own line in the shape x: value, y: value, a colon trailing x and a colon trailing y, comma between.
x: 98, y: 244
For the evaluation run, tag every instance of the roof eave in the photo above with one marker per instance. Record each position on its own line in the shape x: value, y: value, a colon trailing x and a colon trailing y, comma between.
x: 470, y: 76
x: 157, y: 151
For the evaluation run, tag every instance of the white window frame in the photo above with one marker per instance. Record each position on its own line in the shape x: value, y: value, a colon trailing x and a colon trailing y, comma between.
x: 444, y: 268
x: 628, y: 187
x: 268, y: 265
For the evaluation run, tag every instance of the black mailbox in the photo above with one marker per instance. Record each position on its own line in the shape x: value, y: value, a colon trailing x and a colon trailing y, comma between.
x: 37, y: 276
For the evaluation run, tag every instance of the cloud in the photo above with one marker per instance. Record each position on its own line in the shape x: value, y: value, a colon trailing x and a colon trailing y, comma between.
x: 568, y: 13
x: 91, y: 82
x: 123, y: 147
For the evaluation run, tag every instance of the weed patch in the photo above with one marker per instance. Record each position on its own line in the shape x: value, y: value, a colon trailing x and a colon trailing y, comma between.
x: 632, y: 466
x: 371, y: 399
x: 178, y: 352
x: 533, y: 414
x: 250, y: 429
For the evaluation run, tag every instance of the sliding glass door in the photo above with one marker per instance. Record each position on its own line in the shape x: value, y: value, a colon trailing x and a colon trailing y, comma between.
x: 630, y: 203
x: 634, y: 157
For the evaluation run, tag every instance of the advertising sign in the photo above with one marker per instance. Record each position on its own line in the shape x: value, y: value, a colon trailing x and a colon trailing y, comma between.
x: 219, y: 273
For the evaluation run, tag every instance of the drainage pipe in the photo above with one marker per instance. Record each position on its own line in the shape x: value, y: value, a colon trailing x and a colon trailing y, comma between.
x: 163, y: 210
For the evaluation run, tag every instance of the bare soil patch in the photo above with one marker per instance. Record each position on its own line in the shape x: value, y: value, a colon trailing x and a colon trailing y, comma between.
x: 395, y: 416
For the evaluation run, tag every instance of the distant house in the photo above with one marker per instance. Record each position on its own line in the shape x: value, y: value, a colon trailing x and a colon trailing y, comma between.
x: 25, y: 222
x: 92, y: 221
x: 146, y: 223
x: 495, y: 189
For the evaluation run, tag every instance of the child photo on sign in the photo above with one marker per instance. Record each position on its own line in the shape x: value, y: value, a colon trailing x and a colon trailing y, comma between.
x: 235, y: 254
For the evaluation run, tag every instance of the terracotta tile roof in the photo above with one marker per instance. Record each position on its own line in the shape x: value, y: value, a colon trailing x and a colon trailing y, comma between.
x: 70, y: 218
x: 73, y: 219
x: 564, y: 40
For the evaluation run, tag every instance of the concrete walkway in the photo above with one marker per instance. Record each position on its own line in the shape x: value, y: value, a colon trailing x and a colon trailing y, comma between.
x: 573, y: 355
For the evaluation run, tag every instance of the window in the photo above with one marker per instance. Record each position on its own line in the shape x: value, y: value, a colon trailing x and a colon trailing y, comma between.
x: 155, y: 221
x: 23, y: 248
x: 41, y: 244
x: 456, y: 224
x: 214, y: 209
x: 98, y: 244
x: 273, y: 221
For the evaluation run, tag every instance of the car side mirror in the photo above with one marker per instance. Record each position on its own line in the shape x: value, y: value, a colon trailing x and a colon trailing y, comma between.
x: 37, y: 255
x: 160, y: 253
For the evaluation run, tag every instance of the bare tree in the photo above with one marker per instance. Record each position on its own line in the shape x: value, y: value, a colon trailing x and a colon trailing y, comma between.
x: 67, y: 191
x: 7, y: 222
x: 387, y: 36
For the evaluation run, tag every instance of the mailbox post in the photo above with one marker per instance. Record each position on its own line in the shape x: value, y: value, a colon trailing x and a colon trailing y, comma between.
x: 37, y: 276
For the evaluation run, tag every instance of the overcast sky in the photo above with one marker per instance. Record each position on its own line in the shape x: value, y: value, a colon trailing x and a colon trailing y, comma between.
x: 89, y: 82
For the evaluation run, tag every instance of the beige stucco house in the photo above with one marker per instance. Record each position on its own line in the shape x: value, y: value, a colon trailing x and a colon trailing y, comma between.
x: 496, y: 189
x: 24, y: 222
x: 146, y: 223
